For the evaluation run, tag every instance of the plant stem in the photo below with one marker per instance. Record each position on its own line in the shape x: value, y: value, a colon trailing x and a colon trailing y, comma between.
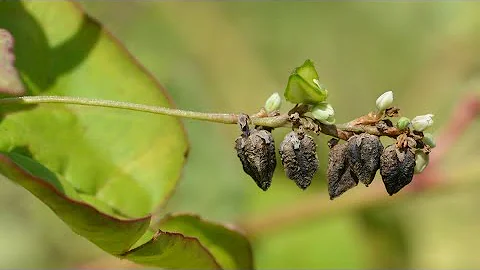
x: 342, y: 131
x: 224, y: 118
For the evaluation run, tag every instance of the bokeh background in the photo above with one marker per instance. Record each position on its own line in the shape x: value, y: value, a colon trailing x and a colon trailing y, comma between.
x: 229, y: 57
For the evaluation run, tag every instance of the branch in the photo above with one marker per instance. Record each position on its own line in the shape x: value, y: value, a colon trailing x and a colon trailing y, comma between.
x: 341, y: 131
x: 432, y: 179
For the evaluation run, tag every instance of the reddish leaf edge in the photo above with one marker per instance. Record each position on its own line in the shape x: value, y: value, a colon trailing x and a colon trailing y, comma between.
x: 10, y: 163
x: 229, y: 226
x: 5, y: 159
x: 173, y: 234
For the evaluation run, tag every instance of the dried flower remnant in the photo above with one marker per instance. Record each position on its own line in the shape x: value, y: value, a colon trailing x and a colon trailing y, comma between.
x: 364, y: 153
x: 10, y: 82
x: 299, y: 158
x: 256, y: 150
x: 339, y: 174
x: 396, y: 167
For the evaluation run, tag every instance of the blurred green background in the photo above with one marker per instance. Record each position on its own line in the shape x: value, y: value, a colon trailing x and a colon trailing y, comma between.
x: 229, y: 57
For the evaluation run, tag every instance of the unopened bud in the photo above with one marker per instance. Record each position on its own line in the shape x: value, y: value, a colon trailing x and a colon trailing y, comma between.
x: 429, y: 140
x: 257, y: 154
x: 324, y: 113
x: 364, y: 153
x: 421, y: 122
x: 299, y: 158
x: 403, y: 123
x: 339, y: 174
x: 273, y: 103
x: 396, y: 168
x: 421, y: 161
x: 384, y: 101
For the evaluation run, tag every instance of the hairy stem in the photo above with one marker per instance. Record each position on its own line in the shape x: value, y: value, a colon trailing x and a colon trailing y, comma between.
x: 342, y: 131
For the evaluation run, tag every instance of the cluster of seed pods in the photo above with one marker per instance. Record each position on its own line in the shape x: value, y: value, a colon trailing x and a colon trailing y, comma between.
x: 356, y: 160
x: 359, y: 159
x: 256, y: 150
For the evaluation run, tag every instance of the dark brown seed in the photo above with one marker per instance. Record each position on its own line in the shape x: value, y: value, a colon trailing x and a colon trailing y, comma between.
x: 257, y: 154
x: 396, y: 168
x: 299, y: 158
x: 364, y: 153
x: 339, y: 175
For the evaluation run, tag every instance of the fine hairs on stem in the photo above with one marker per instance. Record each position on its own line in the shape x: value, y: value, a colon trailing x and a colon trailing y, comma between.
x: 282, y: 120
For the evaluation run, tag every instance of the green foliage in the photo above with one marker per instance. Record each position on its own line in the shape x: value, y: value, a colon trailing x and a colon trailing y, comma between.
x: 230, y: 248
x: 111, y: 234
x: 303, y: 85
x: 102, y: 172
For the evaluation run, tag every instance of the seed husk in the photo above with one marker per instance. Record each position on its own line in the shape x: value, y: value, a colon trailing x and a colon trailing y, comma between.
x: 256, y: 150
x: 298, y: 152
x: 364, y: 153
x: 339, y: 174
x: 396, y: 167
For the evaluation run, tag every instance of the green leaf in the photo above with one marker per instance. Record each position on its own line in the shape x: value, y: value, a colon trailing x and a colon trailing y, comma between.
x: 111, y: 234
x: 10, y: 83
x: 102, y: 171
x: 301, y: 87
x: 173, y: 250
x: 229, y: 247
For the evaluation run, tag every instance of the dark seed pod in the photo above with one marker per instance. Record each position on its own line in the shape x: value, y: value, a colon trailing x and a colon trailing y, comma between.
x: 339, y: 174
x: 364, y: 153
x: 396, y: 168
x: 299, y: 158
x: 256, y: 150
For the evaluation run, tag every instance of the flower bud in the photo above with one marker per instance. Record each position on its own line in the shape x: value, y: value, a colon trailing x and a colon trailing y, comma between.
x: 273, y: 103
x: 429, y: 140
x: 384, y: 101
x: 303, y: 85
x: 324, y: 113
x: 257, y: 154
x: 403, y: 123
x: 396, y: 168
x: 339, y: 175
x: 421, y: 161
x: 421, y: 122
x: 364, y: 153
x: 298, y: 152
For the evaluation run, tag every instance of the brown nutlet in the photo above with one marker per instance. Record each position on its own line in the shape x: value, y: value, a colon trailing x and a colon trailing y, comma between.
x: 396, y: 168
x: 299, y: 158
x: 339, y: 174
x: 256, y: 150
x: 364, y: 153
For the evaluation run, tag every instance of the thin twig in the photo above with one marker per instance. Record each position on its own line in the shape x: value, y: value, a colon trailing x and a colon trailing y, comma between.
x: 341, y: 131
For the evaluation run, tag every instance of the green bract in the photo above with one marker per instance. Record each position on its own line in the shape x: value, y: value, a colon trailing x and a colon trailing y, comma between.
x: 303, y: 86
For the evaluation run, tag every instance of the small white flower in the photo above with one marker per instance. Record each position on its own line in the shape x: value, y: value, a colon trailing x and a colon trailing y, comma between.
x: 324, y: 113
x: 421, y: 122
x: 273, y: 102
x: 384, y: 101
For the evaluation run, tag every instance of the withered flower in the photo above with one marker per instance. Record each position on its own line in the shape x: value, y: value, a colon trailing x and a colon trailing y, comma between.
x: 339, y: 174
x: 299, y: 158
x: 364, y: 153
x: 396, y: 167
